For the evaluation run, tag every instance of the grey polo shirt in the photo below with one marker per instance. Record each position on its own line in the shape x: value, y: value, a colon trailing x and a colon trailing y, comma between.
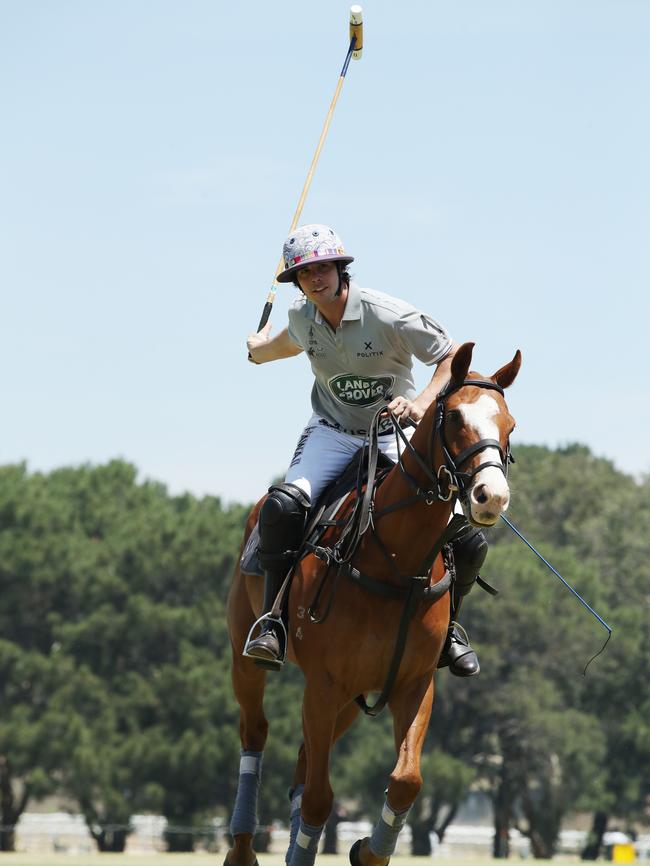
x: 369, y: 356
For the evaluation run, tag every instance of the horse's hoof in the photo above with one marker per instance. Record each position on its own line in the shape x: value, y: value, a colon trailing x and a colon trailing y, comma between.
x: 354, y: 853
x: 226, y: 863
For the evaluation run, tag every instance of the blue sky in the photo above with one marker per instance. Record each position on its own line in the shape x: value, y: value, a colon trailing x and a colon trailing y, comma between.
x: 486, y: 161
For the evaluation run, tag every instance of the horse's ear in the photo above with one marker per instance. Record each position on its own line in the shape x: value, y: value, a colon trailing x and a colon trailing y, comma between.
x: 507, y: 375
x: 461, y: 361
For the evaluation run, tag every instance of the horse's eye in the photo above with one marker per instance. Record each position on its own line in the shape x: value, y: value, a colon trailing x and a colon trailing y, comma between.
x: 454, y: 416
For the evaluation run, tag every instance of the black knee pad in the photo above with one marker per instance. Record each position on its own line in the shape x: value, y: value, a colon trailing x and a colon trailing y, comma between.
x: 470, y: 549
x: 281, y: 524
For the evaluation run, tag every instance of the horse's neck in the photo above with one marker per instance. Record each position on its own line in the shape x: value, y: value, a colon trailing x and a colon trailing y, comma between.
x: 408, y: 532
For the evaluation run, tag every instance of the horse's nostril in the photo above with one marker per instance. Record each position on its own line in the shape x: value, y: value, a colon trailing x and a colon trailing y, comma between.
x: 480, y: 495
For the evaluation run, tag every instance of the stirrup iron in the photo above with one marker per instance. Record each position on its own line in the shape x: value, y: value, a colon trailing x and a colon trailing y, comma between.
x: 280, y: 630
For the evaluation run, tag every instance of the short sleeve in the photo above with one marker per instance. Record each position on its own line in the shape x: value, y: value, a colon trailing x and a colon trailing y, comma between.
x: 292, y: 330
x: 423, y: 337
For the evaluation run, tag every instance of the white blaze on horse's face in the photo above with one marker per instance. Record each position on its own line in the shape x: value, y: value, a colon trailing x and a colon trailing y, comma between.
x: 489, y: 495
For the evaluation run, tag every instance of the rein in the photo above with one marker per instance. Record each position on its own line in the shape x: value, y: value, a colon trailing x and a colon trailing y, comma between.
x: 444, y: 484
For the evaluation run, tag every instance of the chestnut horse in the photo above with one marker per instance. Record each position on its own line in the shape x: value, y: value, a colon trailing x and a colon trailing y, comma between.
x: 460, y: 449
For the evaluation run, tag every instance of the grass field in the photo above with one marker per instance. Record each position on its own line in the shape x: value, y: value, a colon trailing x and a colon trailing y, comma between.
x: 217, y: 859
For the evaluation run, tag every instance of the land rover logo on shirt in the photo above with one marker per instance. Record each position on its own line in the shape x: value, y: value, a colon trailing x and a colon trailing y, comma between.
x: 354, y: 390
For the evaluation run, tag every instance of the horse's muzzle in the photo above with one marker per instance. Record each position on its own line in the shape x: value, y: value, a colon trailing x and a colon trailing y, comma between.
x: 488, y: 497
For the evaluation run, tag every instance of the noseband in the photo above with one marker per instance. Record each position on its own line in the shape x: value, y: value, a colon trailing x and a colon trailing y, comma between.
x: 448, y: 479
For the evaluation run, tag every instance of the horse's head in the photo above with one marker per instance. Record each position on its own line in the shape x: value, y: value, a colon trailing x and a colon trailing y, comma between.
x: 473, y: 427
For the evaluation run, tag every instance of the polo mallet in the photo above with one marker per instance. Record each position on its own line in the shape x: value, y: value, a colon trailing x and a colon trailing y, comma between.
x: 355, y: 49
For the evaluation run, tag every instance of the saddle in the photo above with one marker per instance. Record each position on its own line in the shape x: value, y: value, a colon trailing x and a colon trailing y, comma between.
x: 323, y: 512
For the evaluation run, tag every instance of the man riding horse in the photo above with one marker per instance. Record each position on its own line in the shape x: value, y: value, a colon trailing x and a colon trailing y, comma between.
x: 361, y: 345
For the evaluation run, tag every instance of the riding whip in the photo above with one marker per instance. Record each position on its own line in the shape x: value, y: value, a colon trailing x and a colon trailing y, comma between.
x: 354, y: 51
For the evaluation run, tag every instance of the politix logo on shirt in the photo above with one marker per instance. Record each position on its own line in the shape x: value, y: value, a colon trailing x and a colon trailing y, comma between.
x: 360, y: 390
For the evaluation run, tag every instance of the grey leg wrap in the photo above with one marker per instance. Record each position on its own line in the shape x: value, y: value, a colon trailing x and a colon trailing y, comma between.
x: 387, y: 829
x: 244, y: 815
x: 295, y: 795
x: 306, y: 845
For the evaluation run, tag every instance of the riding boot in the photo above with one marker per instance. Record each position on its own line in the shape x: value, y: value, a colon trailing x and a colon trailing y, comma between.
x: 469, y: 551
x: 281, y: 525
x: 457, y: 654
x: 266, y: 648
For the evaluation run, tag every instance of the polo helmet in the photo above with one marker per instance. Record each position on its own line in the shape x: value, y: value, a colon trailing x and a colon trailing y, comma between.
x: 309, y: 244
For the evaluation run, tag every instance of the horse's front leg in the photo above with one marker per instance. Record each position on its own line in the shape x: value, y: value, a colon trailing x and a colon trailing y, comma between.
x: 320, y: 711
x: 248, y: 684
x: 411, y: 711
x: 343, y: 721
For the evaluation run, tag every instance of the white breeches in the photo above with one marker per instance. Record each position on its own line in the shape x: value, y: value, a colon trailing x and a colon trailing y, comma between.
x: 323, y: 453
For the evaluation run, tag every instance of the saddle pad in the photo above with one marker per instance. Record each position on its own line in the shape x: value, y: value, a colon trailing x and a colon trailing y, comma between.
x: 249, y: 562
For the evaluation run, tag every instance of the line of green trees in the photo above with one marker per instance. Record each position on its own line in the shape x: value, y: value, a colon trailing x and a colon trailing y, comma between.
x: 114, y: 662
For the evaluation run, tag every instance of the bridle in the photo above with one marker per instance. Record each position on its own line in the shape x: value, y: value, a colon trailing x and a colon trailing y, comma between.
x: 448, y: 479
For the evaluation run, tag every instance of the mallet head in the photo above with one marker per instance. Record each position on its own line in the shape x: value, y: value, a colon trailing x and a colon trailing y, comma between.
x: 356, y: 29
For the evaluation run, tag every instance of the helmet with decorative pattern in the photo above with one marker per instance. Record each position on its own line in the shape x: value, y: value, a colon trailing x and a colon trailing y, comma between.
x: 309, y: 244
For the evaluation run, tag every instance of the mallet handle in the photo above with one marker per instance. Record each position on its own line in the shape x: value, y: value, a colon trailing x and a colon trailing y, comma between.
x: 354, y: 50
x: 312, y: 169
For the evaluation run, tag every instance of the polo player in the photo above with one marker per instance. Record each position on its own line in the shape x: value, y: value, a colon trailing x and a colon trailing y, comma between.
x: 360, y: 344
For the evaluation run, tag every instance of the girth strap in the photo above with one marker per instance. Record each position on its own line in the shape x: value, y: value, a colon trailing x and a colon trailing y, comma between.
x: 389, y: 590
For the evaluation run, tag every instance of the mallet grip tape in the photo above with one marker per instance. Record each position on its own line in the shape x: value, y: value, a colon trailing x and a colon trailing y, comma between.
x: 266, y: 312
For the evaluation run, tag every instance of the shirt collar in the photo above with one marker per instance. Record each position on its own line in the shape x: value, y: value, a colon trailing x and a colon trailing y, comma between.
x: 352, y: 310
